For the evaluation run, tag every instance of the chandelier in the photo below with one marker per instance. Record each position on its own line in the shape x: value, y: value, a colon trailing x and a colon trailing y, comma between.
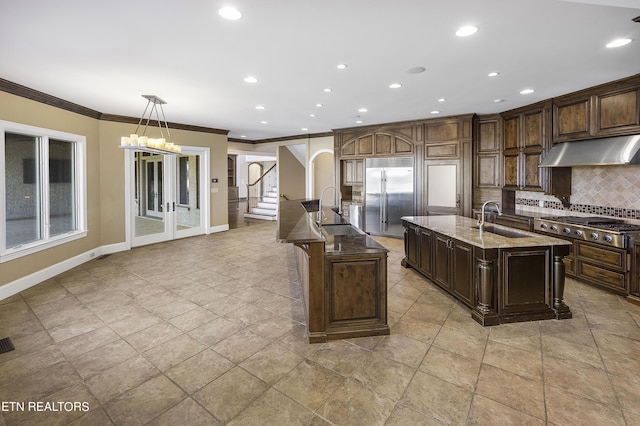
x: 141, y: 142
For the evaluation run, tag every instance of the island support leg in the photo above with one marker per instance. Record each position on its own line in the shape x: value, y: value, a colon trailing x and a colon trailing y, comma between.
x: 562, y: 311
x: 485, y: 310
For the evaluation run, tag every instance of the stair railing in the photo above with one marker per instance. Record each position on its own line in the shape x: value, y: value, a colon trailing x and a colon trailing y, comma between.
x: 255, y: 190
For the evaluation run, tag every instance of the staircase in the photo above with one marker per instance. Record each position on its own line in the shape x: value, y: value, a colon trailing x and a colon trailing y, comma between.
x: 266, y: 208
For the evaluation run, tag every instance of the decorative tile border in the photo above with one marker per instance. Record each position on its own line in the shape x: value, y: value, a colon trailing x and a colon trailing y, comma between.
x: 582, y: 208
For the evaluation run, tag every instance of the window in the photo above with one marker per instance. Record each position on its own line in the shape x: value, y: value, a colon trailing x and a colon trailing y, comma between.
x: 42, y: 189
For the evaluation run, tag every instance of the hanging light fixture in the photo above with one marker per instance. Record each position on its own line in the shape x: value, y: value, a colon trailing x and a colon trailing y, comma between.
x: 161, y: 145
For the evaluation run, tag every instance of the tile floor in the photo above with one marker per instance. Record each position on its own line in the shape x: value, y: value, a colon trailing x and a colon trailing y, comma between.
x: 209, y: 330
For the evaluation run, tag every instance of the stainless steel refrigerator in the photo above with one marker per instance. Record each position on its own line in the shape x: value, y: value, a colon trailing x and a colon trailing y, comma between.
x: 388, y: 195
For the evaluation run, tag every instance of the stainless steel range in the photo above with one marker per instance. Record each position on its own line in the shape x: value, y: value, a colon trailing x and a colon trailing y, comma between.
x: 599, y: 230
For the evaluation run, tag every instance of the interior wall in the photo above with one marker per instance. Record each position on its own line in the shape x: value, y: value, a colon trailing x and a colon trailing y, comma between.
x: 323, y: 173
x: 24, y: 111
x: 105, y: 178
x: 291, y: 175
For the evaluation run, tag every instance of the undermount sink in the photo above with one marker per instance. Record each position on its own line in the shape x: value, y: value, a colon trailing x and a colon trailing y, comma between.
x: 341, y: 229
x: 509, y: 233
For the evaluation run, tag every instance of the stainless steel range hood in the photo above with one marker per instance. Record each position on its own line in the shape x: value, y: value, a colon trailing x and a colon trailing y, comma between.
x: 595, y: 152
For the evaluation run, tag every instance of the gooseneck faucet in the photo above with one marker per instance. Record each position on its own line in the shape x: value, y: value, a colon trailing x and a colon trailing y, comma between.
x: 481, y: 220
x: 319, y: 217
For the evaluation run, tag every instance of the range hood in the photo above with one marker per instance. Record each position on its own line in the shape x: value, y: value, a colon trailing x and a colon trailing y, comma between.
x: 595, y: 152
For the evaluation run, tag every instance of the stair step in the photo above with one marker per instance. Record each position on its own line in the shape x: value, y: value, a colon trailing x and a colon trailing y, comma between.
x: 273, y: 194
x: 259, y: 216
x: 272, y: 200
x: 268, y: 206
x: 266, y: 212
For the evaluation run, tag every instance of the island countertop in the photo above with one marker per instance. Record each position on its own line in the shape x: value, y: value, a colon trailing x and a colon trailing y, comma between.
x: 296, y: 225
x: 462, y: 228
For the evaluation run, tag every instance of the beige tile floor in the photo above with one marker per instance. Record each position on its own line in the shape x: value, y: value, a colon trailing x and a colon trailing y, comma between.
x: 209, y: 330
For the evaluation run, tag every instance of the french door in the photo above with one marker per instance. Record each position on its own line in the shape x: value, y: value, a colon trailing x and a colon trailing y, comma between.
x: 168, y: 197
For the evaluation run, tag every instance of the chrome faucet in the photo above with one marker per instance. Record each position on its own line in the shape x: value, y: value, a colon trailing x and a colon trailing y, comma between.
x: 319, y: 217
x: 481, y: 220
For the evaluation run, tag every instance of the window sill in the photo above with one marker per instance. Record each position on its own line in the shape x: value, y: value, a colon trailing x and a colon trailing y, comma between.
x: 38, y: 246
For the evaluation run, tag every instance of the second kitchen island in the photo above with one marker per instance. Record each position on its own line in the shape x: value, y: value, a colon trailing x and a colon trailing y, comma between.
x: 342, y: 270
x: 503, y: 274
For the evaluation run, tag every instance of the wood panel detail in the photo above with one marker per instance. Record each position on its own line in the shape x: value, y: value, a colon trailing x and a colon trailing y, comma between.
x: 488, y: 139
x: 402, y: 146
x: 353, y: 290
x: 572, y: 118
x: 442, y: 131
x: 348, y: 148
x: 435, y: 151
x: 618, y: 110
x: 383, y: 143
x: 365, y: 145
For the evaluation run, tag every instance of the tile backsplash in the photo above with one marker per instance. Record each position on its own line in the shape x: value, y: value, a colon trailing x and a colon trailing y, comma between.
x: 602, y: 190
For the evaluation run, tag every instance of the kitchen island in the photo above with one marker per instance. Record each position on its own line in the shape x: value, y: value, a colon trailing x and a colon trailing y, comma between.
x: 343, y: 273
x: 503, y: 274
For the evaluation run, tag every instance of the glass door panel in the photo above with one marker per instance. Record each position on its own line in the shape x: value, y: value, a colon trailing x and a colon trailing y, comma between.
x: 150, y: 221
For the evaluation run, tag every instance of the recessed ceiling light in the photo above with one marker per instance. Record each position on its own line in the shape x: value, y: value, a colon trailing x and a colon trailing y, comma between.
x: 395, y: 85
x: 312, y: 115
x: 363, y: 110
x: 263, y: 122
x: 466, y: 31
x: 243, y: 136
x: 416, y: 70
x: 526, y: 91
x: 342, y: 66
x: 230, y: 13
x: 327, y: 90
x: 441, y: 100
x: 493, y: 74
x: 250, y: 79
x: 359, y: 121
x: 304, y: 129
x: 619, y: 42
x: 260, y: 107
x: 319, y: 105
x: 498, y: 100
x: 435, y: 112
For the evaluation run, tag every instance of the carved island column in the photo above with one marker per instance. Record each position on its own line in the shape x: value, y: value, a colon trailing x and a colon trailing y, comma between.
x: 562, y: 311
x: 485, y: 310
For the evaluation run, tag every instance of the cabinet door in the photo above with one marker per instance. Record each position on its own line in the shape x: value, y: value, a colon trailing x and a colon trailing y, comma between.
x: 618, y: 112
x: 425, y: 252
x: 462, y: 272
x: 411, y: 243
x: 358, y: 171
x: 441, y: 260
x: 572, y: 119
x: 533, y: 175
x: 348, y: 172
x: 511, y: 133
x: 511, y: 168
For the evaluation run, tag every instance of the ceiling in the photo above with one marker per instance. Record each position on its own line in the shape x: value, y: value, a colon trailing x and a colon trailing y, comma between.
x: 105, y: 55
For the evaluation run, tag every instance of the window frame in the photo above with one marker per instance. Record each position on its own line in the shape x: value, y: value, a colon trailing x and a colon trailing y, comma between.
x: 79, y: 163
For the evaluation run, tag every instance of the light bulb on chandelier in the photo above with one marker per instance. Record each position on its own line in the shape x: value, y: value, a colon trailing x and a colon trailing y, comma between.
x: 143, y: 143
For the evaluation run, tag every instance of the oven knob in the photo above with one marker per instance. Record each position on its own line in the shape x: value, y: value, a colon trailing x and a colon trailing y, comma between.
x: 608, y: 238
x: 567, y: 230
x: 543, y: 225
x: 578, y: 233
x: 554, y: 228
x: 593, y: 236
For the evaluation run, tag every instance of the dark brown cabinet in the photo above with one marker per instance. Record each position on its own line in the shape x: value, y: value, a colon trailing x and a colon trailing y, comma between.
x: 525, y: 138
x: 487, y: 176
x: 419, y: 248
x: 607, y: 110
x: 453, y: 267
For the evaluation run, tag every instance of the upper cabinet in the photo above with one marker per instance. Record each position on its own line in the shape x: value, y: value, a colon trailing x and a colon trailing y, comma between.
x: 376, y: 144
x: 607, y: 110
x: 525, y: 138
x: 487, y: 175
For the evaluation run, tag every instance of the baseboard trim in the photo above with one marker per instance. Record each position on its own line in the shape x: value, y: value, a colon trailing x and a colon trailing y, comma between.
x: 30, y: 280
x: 219, y: 228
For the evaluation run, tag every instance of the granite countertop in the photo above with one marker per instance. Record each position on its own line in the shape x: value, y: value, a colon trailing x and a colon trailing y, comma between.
x: 296, y: 225
x: 461, y: 228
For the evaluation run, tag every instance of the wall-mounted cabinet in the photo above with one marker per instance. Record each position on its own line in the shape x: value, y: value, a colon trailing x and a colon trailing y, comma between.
x: 607, y: 110
x: 525, y: 138
x: 487, y: 161
x: 353, y: 172
x: 376, y: 145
